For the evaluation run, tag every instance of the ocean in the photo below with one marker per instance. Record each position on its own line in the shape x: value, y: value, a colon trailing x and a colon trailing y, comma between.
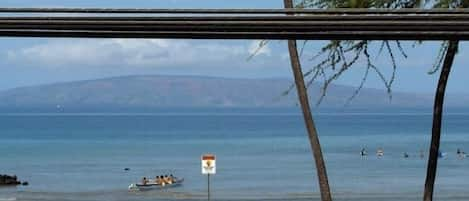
x: 262, y: 154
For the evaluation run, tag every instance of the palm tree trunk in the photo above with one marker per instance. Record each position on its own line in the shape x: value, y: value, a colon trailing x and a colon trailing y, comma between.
x: 308, y: 117
x: 437, y: 116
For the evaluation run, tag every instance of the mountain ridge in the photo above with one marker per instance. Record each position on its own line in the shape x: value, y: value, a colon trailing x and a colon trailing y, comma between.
x: 160, y: 91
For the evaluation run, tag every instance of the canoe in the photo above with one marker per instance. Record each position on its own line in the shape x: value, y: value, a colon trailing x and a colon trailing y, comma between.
x: 154, y: 186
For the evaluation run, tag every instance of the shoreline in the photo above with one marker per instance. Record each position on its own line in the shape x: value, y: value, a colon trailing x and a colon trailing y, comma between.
x: 123, y: 195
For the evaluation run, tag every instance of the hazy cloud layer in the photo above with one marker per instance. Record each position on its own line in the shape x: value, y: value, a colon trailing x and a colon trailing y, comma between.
x: 140, y: 53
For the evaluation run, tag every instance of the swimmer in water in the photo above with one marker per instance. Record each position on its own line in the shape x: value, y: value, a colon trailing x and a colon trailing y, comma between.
x: 363, y: 152
x: 380, y: 152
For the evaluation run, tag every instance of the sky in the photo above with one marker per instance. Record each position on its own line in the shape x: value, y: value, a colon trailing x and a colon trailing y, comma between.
x: 33, y: 61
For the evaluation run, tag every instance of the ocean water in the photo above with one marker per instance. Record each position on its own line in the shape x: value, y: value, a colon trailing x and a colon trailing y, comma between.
x: 261, y: 155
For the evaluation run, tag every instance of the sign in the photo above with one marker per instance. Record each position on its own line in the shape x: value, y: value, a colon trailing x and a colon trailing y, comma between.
x: 208, y: 164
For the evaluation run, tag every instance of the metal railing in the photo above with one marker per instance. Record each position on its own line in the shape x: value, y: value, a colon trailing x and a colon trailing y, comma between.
x: 344, y: 24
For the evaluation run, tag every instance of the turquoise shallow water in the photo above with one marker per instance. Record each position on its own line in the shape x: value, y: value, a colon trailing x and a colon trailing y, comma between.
x: 261, y: 154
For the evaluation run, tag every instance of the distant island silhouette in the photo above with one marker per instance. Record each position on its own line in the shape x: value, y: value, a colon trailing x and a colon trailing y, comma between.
x: 160, y: 91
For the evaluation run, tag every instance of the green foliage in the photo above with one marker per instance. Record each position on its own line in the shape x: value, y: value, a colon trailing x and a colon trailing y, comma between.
x: 381, y: 4
x: 389, y: 4
x: 338, y: 56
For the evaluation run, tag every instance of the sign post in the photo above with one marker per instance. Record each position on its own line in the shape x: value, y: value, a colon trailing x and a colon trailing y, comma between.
x: 208, y: 167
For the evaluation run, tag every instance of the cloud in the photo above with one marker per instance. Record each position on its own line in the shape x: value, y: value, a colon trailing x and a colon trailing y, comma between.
x: 61, y: 53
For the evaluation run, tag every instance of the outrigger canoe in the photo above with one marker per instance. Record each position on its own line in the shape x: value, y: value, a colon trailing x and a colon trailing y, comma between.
x: 154, y: 186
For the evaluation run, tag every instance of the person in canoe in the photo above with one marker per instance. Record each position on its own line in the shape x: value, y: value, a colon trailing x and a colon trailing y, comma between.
x: 156, y: 183
x: 168, y: 179
x: 172, y: 178
x: 162, y: 181
x: 157, y: 178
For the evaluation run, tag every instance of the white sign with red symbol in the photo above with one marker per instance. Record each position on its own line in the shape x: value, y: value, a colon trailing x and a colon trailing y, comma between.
x: 208, y: 164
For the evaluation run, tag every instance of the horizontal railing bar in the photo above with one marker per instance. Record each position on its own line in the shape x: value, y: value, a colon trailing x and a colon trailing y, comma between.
x: 248, y: 28
x: 252, y: 20
x: 347, y: 24
x: 235, y: 23
x: 333, y: 35
x: 242, y: 18
x: 229, y: 11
